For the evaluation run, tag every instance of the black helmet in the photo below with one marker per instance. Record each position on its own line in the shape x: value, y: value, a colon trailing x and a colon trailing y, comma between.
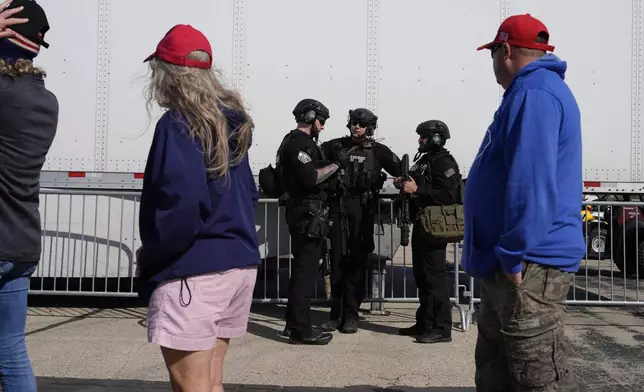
x: 431, y: 127
x: 365, y: 117
x: 436, y: 130
x: 307, y: 110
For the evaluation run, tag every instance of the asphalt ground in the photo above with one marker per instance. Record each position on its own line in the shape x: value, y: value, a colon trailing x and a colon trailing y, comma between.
x: 99, y: 345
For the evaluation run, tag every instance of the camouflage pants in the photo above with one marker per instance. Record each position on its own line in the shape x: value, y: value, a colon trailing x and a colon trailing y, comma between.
x: 520, y: 345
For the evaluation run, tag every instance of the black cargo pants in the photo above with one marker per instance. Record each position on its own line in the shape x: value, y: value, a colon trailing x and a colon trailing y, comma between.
x: 430, y: 273
x: 307, y: 253
x: 348, y: 273
x: 520, y: 345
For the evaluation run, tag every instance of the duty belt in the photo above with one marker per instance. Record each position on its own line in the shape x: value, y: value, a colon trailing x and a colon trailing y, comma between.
x: 304, y: 202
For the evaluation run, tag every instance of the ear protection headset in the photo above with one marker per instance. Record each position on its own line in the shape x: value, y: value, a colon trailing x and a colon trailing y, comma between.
x: 308, y: 117
x: 437, y: 139
x: 308, y: 110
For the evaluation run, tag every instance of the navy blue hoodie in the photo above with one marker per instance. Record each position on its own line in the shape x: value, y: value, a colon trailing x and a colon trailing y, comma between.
x: 189, y: 224
x: 524, y: 190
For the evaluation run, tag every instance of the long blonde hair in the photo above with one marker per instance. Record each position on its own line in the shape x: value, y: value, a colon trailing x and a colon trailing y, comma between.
x: 20, y: 67
x: 200, y: 97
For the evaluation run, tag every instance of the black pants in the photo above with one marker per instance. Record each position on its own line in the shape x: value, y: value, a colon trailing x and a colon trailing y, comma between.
x: 430, y: 274
x: 348, y: 272
x: 307, y: 253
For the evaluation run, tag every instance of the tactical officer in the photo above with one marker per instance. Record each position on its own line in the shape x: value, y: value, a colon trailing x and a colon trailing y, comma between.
x: 435, y: 180
x: 305, y: 176
x: 361, y: 159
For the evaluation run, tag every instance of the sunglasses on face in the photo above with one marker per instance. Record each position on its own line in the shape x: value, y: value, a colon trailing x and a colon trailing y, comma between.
x: 321, y: 120
x: 361, y: 124
x: 494, y: 49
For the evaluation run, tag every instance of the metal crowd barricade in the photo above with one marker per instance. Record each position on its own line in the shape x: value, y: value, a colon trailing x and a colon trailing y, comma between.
x: 610, y: 272
x: 393, y: 281
x: 90, y: 238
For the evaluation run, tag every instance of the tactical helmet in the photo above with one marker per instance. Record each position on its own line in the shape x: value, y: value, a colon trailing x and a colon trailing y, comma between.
x: 308, y: 110
x: 436, y: 130
x: 365, y: 117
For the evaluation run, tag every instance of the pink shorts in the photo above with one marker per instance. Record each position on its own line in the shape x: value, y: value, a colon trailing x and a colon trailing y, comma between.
x: 191, y: 314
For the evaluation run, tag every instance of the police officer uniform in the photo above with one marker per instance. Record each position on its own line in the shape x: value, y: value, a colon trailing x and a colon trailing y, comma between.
x: 305, y: 175
x: 438, y: 178
x: 361, y: 160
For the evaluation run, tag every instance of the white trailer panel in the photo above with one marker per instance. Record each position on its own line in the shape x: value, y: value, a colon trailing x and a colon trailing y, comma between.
x: 71, y: 68
x: 599, y: 41
x: 134, y: 31
x: 429, y: 68
x: 407, y: 60
x: 289, y: 56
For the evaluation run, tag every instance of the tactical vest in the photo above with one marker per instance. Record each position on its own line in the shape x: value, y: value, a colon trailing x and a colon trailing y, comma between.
x: 423, y: 168
x: 420, y: 169
x: 362, y: 170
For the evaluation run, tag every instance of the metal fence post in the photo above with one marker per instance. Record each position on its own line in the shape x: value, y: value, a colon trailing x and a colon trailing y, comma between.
x: 376, y: 283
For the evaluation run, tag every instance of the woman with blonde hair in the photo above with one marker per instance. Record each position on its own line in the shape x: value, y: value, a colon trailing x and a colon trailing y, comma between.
x: 198, y: 262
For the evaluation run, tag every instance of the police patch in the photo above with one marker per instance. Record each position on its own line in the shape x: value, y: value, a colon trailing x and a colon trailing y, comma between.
x: 450, y: 173
x: 303, y: 157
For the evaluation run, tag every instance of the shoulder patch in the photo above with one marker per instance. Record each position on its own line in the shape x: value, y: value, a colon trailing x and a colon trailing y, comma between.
x: 303, y: 157
x: 450, y: 172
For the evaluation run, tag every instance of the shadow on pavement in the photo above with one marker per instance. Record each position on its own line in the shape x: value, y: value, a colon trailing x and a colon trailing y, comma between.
x: 52, y: 384
x: 276, y: 315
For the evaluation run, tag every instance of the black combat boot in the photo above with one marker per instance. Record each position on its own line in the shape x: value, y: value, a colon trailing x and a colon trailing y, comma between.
x: 334, y: 316
x: 349, y: 326
x: 433, y: 337
x: 314, y: 337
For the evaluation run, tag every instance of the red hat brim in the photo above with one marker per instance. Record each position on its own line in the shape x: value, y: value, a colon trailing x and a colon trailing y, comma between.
x: 150, y: 57
x: 487, y: 46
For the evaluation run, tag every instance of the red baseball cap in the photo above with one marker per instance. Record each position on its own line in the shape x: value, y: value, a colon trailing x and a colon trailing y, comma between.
x: 522, y: 31
x: 178, y: 43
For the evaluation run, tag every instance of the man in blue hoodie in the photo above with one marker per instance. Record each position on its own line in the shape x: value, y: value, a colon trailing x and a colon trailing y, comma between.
x: 523, y: 236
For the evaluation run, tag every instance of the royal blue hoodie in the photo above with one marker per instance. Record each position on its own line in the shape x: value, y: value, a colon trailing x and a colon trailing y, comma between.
x: 189, y: 224
x: 523, y: 194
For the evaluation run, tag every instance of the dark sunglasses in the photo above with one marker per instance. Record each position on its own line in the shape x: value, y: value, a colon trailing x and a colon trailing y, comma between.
x: 494, y: 49
x: 321, y: 120
x: 361, y: 124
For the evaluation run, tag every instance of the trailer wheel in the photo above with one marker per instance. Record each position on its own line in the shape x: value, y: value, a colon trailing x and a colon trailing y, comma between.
x: 597, y: 244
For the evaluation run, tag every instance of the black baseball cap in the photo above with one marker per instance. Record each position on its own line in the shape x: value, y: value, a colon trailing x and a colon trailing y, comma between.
x: 35, y: 29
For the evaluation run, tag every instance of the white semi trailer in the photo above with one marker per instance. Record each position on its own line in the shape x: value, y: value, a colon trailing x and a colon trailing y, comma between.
x: 407, y: 60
